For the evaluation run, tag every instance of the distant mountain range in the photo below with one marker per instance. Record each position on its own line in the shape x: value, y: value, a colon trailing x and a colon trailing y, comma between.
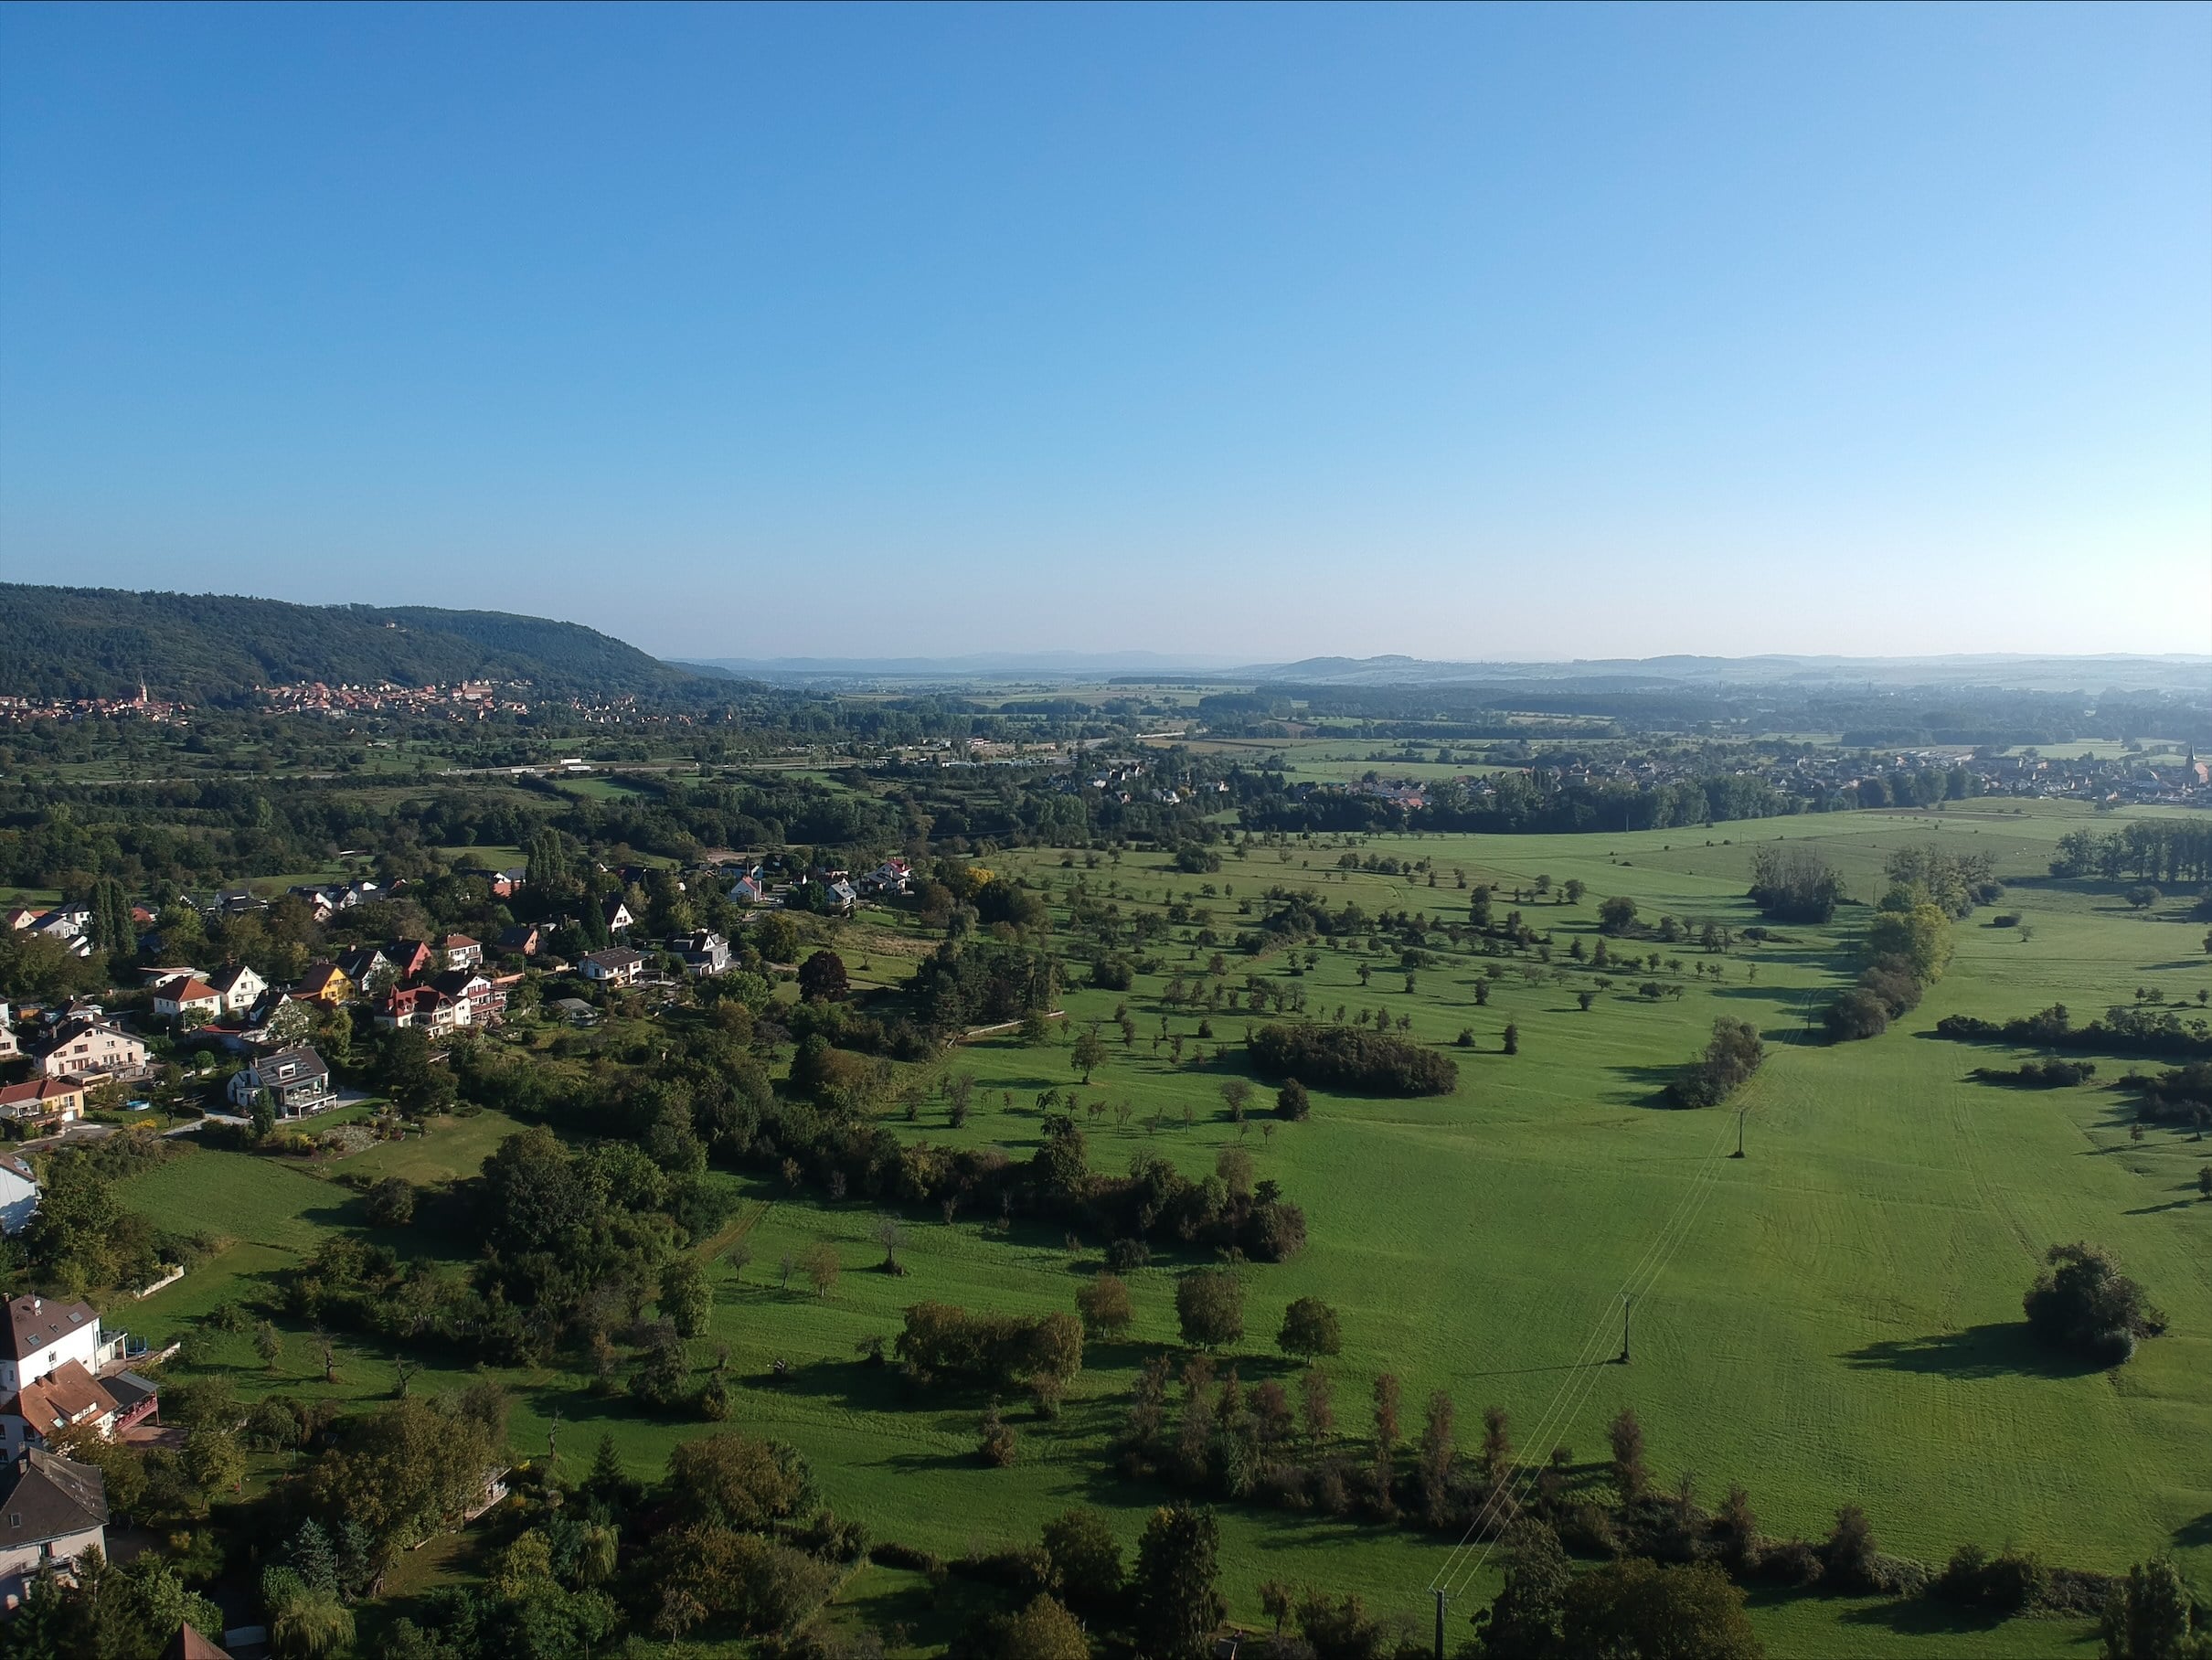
x: 198, y: 648
x: 2021, y: 671
x: 1041, y: 666
x: 203, y: 648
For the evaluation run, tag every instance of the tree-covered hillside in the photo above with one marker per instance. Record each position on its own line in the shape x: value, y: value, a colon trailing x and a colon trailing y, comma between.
x: 102, y: 641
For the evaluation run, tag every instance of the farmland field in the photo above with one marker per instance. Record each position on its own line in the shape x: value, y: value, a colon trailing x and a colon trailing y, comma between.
x: 1832, y: 1319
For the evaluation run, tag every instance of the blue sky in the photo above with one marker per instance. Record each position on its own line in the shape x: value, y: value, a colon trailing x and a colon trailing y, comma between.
x: 1476, y: 332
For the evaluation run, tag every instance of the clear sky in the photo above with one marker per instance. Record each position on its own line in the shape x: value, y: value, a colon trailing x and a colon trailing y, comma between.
x: 1463, y: 331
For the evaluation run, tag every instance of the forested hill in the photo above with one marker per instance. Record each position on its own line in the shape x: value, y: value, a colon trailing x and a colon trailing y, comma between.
x: 209, y: 648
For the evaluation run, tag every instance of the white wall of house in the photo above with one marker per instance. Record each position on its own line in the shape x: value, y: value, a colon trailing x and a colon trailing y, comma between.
x: 81, y: 1344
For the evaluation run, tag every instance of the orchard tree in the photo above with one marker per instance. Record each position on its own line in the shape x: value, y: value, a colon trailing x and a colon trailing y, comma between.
x: 1309, y: 1329
x: 1175, y: 1601
x: 1210, y: 1306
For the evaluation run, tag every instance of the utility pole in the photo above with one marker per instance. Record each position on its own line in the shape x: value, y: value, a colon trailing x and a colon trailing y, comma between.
x: 1625, y: 1303
x: 1440, y: 1625
x: 1738, y: 1153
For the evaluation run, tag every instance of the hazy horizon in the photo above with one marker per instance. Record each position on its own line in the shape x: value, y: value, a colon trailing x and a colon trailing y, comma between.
x: 1255, y: 333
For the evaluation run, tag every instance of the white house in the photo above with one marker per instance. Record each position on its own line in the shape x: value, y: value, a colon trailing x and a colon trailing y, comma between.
x: 240, y: 988
x: 295, y: 1081
x: 18, y: 1195
x: 620, y: 966
x: 9, y: 1049
x: 187, y: 997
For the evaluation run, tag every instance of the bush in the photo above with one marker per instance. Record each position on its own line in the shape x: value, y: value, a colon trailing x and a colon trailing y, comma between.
x: 2005, y: 1585
x: 1859, y: 1013
x: 1794, y: 884
x: 1112, y: 974
x: 1293, y: 1102
x: 2084, y: 1304
x: 1351, y: 1058
x: 1126, y: 1256
x: 1004, y: 1351
x: 996, y: 1444
x: 1728, y: 1063
x: 390, y: 1202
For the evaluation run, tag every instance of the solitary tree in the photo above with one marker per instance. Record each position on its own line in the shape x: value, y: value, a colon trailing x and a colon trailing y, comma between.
x: 1210, y: 1306
x: 823, y: 979
x: 1105, y: 1306
x: 1308, y: 1328
x: 1090, y: 1052
x: 890, y: 1235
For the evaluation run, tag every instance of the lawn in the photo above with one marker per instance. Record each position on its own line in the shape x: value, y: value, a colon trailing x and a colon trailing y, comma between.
x: 1832, y: 1319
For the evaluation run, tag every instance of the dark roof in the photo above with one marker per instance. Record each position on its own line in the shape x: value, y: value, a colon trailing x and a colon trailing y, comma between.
x: 621, y: 956
x: 35, y: 1323
x: 45, y: 1496
x: 455, y: 982
x: 188, y: 1645
x: 308, y: 1064
x: 129, y: 1388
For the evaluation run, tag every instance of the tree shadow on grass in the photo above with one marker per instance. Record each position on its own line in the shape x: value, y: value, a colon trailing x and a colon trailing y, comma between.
x: 1644, y: 1086
x: 2192, y: 1534
x: 1922, y: 1617
x: 1994, y: 1350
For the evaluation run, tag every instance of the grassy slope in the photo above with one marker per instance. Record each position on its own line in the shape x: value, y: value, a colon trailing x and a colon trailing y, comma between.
x: 1838, y: 1322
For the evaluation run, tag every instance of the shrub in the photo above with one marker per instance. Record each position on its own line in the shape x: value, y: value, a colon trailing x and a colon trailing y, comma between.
x: 1112, y: 974
x: 2084, y: 1304
x: 996, y: 1444
x: 1004, y: 1351
x: 1126, y: 1256
x: 391, y: 1203
x: 1857, y: 1013
x: 1728, y: 1063
x: 1345, y: 1057
x: 2005, y: 1583
x: 1293, y: 1102
x: 1794, y: 884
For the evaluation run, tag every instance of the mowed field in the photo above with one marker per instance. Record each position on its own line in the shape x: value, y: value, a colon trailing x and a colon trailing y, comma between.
x: 1834, y: 1318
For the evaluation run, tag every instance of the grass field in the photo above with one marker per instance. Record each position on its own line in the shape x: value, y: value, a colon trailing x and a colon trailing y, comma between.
x: 1835, y: 1318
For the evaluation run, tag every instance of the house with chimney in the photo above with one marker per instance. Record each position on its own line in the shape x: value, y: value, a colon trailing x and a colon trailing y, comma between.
x: 61, y: 1370
x: 294, y: 1082
x: 52, y: 1510
x: 85, y: 1047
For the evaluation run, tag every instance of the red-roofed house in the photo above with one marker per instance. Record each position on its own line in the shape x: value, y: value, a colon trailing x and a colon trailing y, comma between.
x: 187, y: 997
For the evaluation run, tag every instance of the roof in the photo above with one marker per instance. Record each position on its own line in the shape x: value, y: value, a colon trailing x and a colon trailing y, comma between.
x: 59, y: 1399
x: 308, y: 1064
x: 320, y: 972
x: 456, y: 981
x: 621, y: 956
x: 46, y: 1496
x: 41, y: 1089
x: 518, y: 933
x: 35, y: 1322
x: 459, y: 941
x: 188, y: 1645
x: 128, y: 1388
x: 230, y: 977
x: 83, y: 1026
x: 185, y: 989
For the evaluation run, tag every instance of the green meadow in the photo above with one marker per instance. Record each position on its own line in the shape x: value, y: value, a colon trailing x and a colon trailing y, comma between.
x: 1834, y: 1318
